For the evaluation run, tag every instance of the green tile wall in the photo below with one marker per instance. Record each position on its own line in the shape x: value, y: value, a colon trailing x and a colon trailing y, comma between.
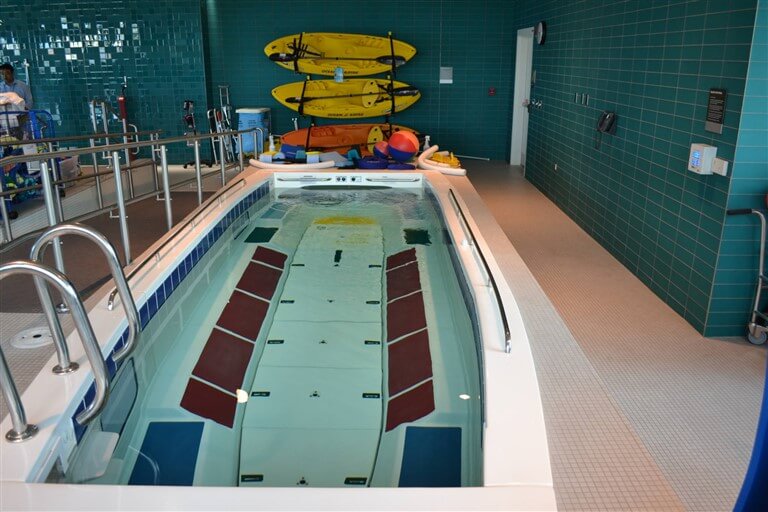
x: 733, y: 293
x: 81, y: 50
x: 476, y: 38
x: 653, y: 64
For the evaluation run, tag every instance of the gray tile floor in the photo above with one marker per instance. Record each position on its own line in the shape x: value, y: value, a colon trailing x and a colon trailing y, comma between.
x: 692, y: 402
x: 642, y: 412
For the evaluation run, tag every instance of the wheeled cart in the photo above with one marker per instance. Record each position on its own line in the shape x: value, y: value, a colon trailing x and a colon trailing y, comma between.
x: 19, y: 129
x: 757, y: 329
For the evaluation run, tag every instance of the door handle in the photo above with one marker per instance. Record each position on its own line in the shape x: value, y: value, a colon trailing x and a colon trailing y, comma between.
x: 527, y: 105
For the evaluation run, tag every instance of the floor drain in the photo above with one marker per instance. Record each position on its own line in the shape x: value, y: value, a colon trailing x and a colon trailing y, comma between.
x: 34, y: 337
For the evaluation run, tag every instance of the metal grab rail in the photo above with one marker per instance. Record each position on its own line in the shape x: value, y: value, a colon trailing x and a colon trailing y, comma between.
x: 146, y: 195
x: 505, y: 323
x: 52, y: 202
x: 21, y: 429
x: 179, y: 229
x: 100, y: 135
x: 134, y: 326
x: 14, y: 159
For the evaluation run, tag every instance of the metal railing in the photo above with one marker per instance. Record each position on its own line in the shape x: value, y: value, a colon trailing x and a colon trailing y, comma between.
x: 134, y: 327
x: 92, y: 141
x: 50, y: 159
x: 90, y: 136
x: 54, y: 211
x: 44, y: 275
x: 155, y: 254
x: 491, y: 280
x: 21, y: 429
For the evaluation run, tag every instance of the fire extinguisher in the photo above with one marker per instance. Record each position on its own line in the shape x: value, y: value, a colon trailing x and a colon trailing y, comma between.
x: 122, y: 105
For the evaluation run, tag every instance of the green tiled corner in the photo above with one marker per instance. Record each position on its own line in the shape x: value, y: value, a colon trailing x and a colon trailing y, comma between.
x: 652, y: 63
x: 736, y: 276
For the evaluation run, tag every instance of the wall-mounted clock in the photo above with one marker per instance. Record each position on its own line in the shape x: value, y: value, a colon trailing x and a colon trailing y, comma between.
x: 540, y: 32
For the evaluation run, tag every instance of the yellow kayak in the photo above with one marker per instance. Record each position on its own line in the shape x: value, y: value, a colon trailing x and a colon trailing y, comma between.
x: 354, y: 98
x: 320, y: 53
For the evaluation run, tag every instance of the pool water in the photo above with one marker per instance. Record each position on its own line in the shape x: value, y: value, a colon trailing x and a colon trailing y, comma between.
x: 324, y: 341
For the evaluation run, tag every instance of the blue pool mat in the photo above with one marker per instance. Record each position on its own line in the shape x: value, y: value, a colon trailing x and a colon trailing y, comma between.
x: 168, y: 454
x: 431, y: 457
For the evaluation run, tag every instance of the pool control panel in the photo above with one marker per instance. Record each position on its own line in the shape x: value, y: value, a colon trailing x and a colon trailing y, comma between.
x: 348, y: 178
x: 356, y: 179
x: 701, y: 158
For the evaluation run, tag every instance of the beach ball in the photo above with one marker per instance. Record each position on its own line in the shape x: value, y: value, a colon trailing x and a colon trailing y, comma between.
x: 403, y: 145
x: 381, y: 149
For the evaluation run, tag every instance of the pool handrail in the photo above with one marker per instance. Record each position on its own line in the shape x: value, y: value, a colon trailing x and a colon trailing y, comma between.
x: 170, y: 236
x: 505, y: 323
x: 15, y: 159
x: 22, y: 431
x: 52, y: 201
x: 36, y: 254
x: 88, y: 136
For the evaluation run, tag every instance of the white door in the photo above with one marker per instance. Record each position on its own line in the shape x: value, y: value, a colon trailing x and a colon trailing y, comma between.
x: 523, y: 65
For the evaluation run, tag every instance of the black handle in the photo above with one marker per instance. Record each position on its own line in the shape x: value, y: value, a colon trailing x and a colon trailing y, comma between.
x: 740, y: 211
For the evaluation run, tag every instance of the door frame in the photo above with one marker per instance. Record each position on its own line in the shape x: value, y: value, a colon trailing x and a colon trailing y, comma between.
x: 522, y: 93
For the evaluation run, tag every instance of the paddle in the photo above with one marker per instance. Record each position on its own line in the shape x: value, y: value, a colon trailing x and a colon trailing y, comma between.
x: 398, y: 91
x: 384, y: 59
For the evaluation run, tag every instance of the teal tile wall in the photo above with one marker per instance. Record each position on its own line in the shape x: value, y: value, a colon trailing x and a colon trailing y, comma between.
x: 735, y: 280
x: 81, y: 50
x: 653, y: 64
x: 476, y: 38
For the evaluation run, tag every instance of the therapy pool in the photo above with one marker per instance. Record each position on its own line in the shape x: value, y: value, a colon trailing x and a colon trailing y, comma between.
x: 330, y: 331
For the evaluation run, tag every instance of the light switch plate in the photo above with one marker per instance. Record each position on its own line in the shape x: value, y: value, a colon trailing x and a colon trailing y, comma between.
x: 446, y: 75
x: 720, y: 166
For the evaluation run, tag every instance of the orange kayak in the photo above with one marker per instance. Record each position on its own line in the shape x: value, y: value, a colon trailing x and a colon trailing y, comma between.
x: 341, y: 137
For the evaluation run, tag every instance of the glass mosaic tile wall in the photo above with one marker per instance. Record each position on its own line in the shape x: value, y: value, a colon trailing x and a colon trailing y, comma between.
x: 78, y: 51
x: 652, y: 63
x: 475, y: 38
x: 735, y: 281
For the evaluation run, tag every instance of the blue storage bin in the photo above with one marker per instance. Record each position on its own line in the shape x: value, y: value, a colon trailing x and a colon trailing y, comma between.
x: 253, y: 118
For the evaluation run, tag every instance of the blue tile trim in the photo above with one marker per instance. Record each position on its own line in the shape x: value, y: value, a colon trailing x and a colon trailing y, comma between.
x: 162, y: 293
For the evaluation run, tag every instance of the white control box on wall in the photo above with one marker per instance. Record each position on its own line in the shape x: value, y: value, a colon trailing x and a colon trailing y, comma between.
x: 701, y: 158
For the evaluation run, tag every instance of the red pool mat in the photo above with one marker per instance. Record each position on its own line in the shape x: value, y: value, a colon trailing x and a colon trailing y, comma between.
x: 224, y: 360
x: 259, y: 280
x: 410, y: 362
x: 401, y: 258
x: 410, y: 406
x: 405, y: 316
x: 270, y: 257
x: 243, y: 315
x: 201, y: 399
x: 403, y: 280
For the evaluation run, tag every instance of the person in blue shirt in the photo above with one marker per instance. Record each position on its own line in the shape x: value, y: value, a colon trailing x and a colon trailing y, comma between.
x: 10, y: 84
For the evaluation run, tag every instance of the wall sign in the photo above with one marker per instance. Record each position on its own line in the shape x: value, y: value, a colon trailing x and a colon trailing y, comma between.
x: 715, y: 111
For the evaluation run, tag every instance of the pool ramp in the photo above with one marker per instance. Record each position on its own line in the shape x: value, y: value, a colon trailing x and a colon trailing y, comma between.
x: 314, y: 414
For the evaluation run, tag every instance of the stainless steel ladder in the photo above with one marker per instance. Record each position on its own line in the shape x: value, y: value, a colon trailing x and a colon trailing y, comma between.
x: 43, y: 276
